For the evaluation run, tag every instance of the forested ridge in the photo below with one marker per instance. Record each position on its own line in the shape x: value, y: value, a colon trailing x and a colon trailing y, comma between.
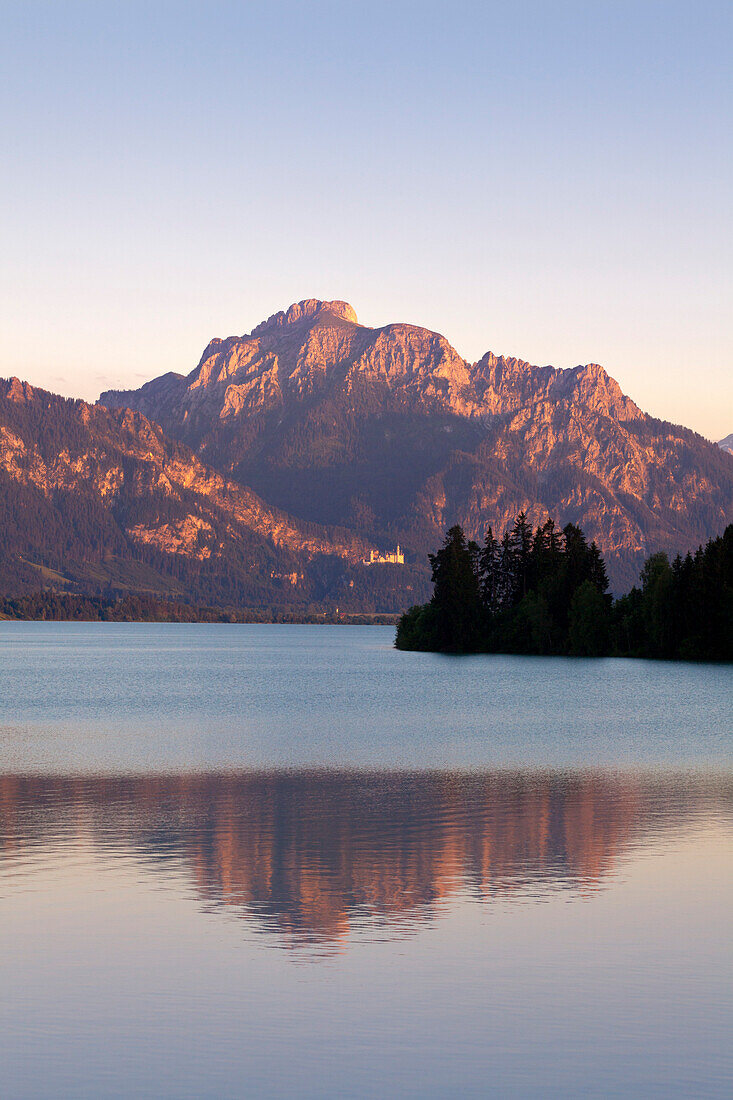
x: 101, y: 504
x: 545, y: 592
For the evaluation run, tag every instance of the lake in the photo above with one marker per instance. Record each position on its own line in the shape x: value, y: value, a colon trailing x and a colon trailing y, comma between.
x: 243, y: 861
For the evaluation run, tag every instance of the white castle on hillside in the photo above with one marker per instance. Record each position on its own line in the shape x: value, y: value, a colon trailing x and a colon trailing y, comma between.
x: 375, y: 558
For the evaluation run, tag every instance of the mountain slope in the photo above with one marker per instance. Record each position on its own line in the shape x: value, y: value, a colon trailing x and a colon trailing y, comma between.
x: 98, y: 500
x: 727, y: 444
x: 390, y: 432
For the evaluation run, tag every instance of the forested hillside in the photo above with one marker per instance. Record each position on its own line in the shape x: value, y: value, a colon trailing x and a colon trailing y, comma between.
x: 102, y: 502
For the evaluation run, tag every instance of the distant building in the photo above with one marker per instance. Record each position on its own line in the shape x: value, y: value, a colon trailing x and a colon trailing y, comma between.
x: 375, y: 558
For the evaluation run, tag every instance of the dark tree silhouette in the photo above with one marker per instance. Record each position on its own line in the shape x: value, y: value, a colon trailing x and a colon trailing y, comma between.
x: 547, y: 593
x: 456, y: 598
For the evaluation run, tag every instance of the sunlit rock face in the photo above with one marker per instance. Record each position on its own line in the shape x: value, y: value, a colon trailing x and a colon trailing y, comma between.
x: 727, y: 444
x: 391, y: 432
x: 315, y: 858
x: 308, y: 311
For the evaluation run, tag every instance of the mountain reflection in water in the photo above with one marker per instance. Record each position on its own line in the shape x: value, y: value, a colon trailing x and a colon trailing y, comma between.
x: 314, y: 857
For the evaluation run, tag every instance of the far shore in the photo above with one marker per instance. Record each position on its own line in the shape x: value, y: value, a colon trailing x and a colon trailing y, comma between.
x: 51, y: 606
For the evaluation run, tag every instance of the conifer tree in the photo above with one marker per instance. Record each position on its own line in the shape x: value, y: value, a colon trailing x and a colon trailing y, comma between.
x: 597, y: 574
x: 521, y: 541
x: 489, y: 573
x: 456, y: 600
x: 507, y: 572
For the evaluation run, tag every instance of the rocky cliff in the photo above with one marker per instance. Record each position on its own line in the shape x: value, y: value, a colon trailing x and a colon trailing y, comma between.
x: 390, y: 432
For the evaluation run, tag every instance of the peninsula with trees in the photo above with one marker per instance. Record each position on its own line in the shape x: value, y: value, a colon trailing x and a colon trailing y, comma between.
x: 545, y: 592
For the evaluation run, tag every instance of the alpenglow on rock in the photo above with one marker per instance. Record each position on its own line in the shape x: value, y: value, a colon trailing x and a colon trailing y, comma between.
x: 390, y: 432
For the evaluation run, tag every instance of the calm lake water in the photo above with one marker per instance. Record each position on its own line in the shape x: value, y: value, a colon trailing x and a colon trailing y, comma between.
x: 242, y: 861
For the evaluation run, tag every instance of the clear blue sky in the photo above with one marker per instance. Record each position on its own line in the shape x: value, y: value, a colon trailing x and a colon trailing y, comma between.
x: 550, y: 180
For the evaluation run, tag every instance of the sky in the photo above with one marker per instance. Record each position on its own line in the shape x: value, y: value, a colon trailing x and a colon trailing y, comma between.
x: 551, y: 180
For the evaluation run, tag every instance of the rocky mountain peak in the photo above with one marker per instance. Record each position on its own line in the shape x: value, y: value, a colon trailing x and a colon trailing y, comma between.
x: 310, y: 310
x: 391, y: 432
x: 592, y: 387
x: 727, y: 444
x: 16, y: 390
x: 316, y: 350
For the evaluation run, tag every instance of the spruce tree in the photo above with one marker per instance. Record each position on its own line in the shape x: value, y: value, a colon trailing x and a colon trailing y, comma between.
x: 489, y: 573
x: 521, y: 540
x: 456, y: 600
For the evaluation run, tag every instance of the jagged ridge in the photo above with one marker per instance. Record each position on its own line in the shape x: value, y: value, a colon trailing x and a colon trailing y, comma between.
x: 390, y: 431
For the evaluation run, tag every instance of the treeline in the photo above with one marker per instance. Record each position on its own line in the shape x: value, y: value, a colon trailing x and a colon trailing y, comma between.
x: 50, y: 606
x: 545, y: 592
x: 68, y: 607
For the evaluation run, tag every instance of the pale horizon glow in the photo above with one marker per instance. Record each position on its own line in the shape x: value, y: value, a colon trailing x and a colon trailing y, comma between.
x: 549, y: 180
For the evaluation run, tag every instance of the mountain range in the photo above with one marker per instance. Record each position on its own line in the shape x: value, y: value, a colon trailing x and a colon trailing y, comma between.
x: 391, y: 433
x: 266, y: 475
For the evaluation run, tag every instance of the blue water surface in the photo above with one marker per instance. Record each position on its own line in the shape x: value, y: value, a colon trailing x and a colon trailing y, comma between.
x: 277, y: 861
